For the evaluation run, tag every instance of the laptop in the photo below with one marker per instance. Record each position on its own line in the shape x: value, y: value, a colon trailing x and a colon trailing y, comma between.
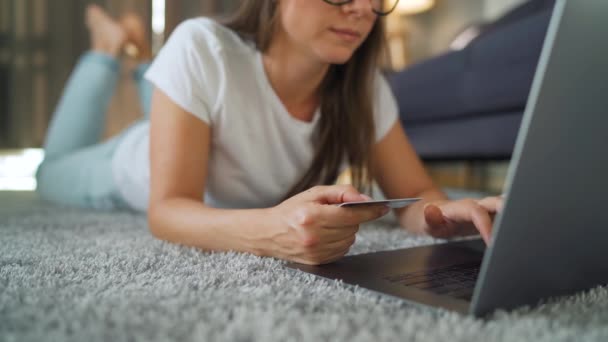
x: 551, y: 239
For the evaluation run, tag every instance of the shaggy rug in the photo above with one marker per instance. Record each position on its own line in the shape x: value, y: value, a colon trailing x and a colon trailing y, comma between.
x: 78, y: 275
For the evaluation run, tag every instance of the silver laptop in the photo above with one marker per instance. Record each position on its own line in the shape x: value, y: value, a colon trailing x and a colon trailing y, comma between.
x: 552, y: 237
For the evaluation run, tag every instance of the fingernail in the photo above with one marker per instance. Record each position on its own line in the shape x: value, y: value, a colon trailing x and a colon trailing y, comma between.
x: 365, y: 197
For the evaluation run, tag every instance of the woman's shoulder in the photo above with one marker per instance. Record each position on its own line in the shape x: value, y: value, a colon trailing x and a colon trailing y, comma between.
x: 208, y: 32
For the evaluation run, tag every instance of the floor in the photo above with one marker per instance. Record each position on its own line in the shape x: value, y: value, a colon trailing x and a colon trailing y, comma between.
x: 82, y: 275
x: 18, y: 169
x: 485, y: 176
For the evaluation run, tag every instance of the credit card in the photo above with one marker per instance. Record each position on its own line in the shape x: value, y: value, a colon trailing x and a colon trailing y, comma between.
x: 392, y: 203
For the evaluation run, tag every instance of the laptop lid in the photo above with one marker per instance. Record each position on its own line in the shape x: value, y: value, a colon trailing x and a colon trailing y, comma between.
x: 552, y: 237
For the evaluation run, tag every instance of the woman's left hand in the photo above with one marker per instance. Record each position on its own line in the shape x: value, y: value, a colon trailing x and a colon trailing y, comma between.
x: 445, y: 219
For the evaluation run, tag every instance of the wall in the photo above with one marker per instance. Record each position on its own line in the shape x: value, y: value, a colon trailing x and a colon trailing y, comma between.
x: 40, y: 42
x: 494, y: 8
x: 179, y: 10
x: 5, y: 60
x: 432, y: 32
x: 24, y: 63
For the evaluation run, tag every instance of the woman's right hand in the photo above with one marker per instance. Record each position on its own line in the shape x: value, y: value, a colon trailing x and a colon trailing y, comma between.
x: 310, y: 229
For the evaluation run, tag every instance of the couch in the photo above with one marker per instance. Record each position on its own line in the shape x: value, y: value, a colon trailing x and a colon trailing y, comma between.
x: 468, y: 104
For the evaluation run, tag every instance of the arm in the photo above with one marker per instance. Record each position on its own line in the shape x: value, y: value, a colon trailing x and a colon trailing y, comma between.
x: 176, y: 211
x: 306, y: 228
x: 400, y: 173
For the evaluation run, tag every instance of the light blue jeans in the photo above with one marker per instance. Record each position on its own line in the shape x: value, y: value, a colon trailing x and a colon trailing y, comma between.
x: 77, y: 167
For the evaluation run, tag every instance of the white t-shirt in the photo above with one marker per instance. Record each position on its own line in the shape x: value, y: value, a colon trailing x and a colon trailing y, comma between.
x: 258, y: 150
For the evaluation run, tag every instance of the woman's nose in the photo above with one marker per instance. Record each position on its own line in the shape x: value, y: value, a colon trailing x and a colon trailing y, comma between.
x: 360, y: 6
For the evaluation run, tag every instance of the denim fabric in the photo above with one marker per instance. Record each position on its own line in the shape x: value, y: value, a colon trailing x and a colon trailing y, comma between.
x: 144, y: 88
x: 77, y: 169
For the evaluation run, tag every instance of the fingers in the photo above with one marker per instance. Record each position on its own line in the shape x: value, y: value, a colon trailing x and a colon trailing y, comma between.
x: 483, y: 223
x: 492, y: 204
x: 452, y: 218
x: 330, y: 235
x: 434, y: 216
x: 335, y: 256
x: 334, y: 216
x: 339, y: 245
x: 437, y: 225
x: 332, y: 251
x: 334, y: 194
x: 324, y: 211
x: 323, y: 236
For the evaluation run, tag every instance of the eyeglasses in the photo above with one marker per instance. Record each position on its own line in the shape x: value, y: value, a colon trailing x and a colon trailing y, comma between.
x: 380, y: 7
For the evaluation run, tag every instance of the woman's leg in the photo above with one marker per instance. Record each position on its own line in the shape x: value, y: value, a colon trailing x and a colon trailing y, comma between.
x: 79, y: 118
x: 144, y: 88
x: 80, y: 115
x: 77, y: 169
x: 82, y: 178
x: 137, y: 35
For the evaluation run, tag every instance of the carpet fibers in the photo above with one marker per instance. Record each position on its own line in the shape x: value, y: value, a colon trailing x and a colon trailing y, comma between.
x: 78, y: 275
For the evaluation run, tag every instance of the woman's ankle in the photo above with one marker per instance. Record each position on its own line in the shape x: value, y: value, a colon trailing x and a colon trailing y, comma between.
x: 137, y: 46
x: 99, y: 57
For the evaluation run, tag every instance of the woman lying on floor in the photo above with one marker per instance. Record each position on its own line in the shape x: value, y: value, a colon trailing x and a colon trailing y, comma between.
x: 251, y: 121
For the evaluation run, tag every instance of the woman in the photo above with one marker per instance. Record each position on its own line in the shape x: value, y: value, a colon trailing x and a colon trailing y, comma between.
x: 256, y: 117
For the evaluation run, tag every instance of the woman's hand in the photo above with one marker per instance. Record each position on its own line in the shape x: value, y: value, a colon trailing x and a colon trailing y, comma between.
x: 311, y: 229
x: 462, y: 217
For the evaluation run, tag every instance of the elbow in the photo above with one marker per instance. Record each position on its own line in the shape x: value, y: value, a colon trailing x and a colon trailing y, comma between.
x: 168, y: 220
x: 155, y: 224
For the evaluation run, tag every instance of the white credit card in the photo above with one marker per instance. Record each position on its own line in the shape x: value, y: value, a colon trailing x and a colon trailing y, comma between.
x: 392, y: 203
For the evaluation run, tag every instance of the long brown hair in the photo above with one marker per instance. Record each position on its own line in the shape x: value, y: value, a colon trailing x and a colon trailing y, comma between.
x: 346, y: 129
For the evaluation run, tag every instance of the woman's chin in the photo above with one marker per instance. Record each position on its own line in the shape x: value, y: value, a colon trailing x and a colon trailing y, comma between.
x: 339, y: 60
x: 337, y: 57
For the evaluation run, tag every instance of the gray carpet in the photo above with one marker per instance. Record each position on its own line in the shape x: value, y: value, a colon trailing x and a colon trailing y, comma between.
x: 76, y: 275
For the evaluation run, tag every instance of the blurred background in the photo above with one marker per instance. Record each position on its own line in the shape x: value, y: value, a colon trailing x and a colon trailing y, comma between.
x: 454, y: 67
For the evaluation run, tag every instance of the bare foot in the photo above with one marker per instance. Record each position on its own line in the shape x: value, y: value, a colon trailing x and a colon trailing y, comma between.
x: 137, y: 46
x: 107, y: 36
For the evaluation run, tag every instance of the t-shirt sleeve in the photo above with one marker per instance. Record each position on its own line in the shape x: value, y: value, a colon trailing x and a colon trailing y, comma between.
x: 386, y: 110
x: 188, y: 70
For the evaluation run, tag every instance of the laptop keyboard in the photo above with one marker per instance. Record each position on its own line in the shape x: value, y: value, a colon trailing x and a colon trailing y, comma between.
x: 455, y: 281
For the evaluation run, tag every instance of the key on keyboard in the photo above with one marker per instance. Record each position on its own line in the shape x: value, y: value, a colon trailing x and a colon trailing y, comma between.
x: 455, y: 281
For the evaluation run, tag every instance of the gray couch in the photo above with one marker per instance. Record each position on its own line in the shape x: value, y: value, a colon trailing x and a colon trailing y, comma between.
x: 468, y: 104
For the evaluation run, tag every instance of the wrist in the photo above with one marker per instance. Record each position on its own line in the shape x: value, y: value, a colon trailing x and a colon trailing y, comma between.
x: 258, y: 240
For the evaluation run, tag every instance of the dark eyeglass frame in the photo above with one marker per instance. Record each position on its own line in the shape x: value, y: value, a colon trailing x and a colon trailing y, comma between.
x: 380, y: 13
